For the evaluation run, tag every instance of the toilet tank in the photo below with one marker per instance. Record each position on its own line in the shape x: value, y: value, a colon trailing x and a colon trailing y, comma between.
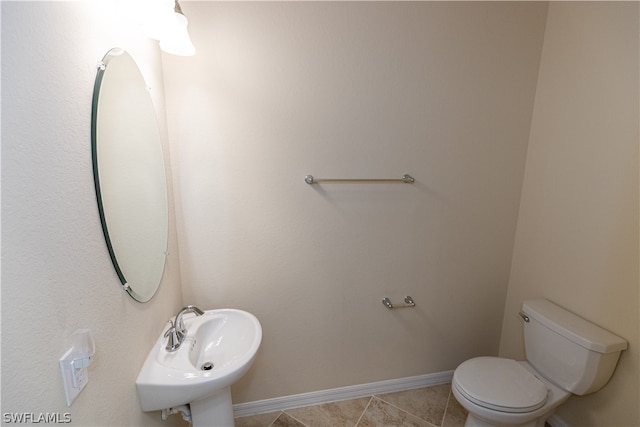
x: 569, y: 351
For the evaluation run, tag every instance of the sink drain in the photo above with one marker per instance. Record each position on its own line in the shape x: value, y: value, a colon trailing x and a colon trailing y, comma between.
x: 207, y: 366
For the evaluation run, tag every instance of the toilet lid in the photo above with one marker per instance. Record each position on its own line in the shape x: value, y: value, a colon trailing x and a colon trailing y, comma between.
x: 500, y: 384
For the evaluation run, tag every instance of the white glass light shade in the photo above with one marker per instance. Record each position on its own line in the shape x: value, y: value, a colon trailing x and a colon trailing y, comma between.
x: 175, y: 39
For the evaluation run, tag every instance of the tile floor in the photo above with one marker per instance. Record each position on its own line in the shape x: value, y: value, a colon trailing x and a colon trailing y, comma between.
x: 424, y: 407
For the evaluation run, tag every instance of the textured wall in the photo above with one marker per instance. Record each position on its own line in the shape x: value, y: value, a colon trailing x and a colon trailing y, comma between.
x: 577, y: 236
x: 56, y: 272
x: 441, y: 90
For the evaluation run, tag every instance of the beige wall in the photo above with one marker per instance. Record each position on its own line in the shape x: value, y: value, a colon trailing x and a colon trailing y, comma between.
x: 56, y: 272
x: 577, y: 235
x: 441, y: 90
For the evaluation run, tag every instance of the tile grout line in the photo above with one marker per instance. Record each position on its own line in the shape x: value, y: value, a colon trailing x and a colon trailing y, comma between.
x: 446, y: 408
x: 404, y: 410
x: 364, y: 411
x: 289, y: 415
x: 272, y: 422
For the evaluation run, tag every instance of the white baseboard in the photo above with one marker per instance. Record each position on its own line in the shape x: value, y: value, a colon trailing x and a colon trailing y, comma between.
x: 340, y: 393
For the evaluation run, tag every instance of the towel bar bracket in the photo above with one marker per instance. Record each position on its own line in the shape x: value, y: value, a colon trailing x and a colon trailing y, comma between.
x: 408, y: 302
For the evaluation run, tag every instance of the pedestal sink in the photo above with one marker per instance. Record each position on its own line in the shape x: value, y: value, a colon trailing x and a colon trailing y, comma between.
x: 218, y: 349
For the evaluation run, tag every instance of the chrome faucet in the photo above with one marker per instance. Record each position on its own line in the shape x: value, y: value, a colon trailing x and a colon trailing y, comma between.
x: 177, y: 331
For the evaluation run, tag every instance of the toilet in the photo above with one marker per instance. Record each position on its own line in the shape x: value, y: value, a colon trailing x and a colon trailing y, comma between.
x: 565, y: 355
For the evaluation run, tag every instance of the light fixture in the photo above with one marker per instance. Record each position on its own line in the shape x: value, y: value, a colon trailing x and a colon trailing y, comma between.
x: 174, y: 38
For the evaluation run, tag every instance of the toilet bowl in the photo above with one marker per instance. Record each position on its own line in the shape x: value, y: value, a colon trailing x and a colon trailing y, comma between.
x: 565, y: 355
x: 497, y: 391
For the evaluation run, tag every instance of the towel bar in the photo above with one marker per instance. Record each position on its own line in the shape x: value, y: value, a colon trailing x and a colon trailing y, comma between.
x: 406, y: 179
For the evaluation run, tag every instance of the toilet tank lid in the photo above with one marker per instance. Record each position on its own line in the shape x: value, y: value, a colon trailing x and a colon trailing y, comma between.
x: 573, y: 327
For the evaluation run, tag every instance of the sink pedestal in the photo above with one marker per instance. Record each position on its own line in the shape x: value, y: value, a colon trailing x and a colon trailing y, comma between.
x: 215, y: 410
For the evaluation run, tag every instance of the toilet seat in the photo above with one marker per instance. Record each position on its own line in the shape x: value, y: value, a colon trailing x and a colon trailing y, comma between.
x: 500, y: 384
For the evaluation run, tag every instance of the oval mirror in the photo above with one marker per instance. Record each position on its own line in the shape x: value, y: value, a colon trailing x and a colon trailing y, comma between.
x: 129, y: 175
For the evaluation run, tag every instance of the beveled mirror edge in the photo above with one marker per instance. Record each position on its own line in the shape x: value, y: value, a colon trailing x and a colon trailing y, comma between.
x: 94, y: 159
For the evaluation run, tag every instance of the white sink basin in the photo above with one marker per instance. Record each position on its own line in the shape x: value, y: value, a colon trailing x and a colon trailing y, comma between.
x: 224, y: 340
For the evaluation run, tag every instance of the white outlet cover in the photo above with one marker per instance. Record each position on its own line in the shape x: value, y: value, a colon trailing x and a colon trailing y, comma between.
x: 71, y: 388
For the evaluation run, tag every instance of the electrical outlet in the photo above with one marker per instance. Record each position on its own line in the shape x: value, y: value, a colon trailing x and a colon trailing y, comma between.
x: 74, y: 379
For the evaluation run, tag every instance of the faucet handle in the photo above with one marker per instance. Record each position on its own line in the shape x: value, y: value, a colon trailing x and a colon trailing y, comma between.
x: 174, y: 336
